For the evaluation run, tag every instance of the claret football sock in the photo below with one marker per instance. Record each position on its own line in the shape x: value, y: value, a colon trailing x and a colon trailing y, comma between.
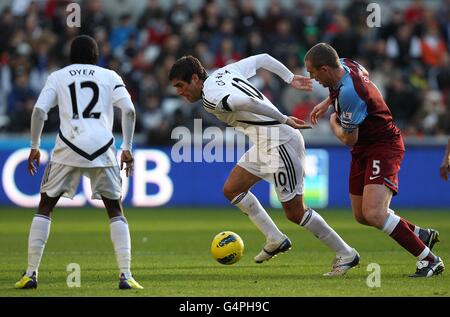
x: 399, y: 230
x: 416, y: 229
x: 39, y: 232
x: 428, y: 236
x: 316, y: 224
x: 120, y: 237
x: 249, y: 204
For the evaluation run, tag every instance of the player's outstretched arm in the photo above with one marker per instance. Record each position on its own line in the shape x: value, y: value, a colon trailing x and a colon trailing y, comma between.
x: 297, y: 123
x: 444, y: 169
x: 254, y: 105
x: 319, y: 110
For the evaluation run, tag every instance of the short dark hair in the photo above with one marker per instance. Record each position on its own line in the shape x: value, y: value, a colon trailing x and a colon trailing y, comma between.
x: 83, y: 50
x: 322, y: 54
x: 185, y: 67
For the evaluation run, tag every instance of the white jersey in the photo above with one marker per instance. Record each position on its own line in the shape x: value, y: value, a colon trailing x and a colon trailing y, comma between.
x: 263, y: 131
x: 85, y: 95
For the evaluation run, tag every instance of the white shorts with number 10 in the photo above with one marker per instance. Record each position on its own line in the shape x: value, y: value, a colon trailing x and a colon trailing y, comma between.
x: 283, y: 166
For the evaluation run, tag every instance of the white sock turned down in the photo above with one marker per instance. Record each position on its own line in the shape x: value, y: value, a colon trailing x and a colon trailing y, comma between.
x: 249, y: 204
x: 317, y: 226
x: 120, y: 237
x: 37, y: 238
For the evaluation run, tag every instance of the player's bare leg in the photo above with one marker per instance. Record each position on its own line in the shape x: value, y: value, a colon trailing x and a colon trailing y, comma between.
x: 356, y: 201
x: 37, y: 238
x: 120, y: 237
x: 237, y: 190
x: 376, y: 200
x: 428, y: 236
x: 346, y: 256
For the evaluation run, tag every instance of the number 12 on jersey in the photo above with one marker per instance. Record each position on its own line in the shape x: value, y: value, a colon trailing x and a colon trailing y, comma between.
x: 87, y: 112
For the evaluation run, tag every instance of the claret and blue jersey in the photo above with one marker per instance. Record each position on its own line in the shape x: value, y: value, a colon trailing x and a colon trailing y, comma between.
x: 359, y: 104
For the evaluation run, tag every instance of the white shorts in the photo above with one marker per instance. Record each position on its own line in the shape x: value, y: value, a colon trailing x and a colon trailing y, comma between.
x: 63, y: 179
x: 282, y: 166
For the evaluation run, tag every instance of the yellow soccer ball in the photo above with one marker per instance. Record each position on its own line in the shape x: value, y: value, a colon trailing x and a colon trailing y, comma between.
x: 227, y: 247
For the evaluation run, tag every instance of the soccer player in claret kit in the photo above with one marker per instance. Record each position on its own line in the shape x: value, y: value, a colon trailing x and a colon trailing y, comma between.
x: 85, y: 95
x: 277, y: 154
x: 362, y: 120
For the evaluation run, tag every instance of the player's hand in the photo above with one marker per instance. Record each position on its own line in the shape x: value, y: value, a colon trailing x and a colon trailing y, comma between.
x: 127, y: 162
x: 319, y: 111
x: 444, y: 169
x: 302, y: 83
x: 297, y: 123
x: 334, y: 119
x: 35, y: 155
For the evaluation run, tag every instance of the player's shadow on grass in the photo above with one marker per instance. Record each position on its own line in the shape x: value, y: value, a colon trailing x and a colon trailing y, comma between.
x: 260, y: 277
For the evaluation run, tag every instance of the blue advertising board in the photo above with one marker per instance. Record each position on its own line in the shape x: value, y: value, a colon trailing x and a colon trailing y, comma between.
x: 161, y: 181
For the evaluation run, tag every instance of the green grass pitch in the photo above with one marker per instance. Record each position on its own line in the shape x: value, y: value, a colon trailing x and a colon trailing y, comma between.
x: 171, y: 257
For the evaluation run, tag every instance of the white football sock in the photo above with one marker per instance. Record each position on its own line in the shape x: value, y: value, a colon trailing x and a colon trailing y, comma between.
x: 416, y: 228
x: 120, y: 237
x: 317, y: 225
x: 249, y: 204
x: 39, y: 231
x: 390, y: 223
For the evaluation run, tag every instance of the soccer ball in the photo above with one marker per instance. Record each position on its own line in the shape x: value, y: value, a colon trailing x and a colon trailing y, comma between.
x: 227, y: 247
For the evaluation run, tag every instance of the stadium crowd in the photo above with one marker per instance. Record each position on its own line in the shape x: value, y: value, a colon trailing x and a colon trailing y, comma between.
x: 407, y: 56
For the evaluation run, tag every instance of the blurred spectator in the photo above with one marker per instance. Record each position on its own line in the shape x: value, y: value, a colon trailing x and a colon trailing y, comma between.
x: 178, y: 15
x: 247, y: 19
x: 122, y: 32
x: 408, y: 57
x: 154, y: 122
x: 443, y: 80
x: 356, y: 12
x: 152, y: 12
x: 227, y: 54
x: 282, y: 43
x: 227, y: 31
x: 403, y: 47
x: 20, y: 102
x: 275, y: 14
x: 433, y: 46
x: 345, y: 40
x: 7, y: 26
x: 402, y: 100
x: 94, y: 17
x: 433, y: 116
x: 210, y: 19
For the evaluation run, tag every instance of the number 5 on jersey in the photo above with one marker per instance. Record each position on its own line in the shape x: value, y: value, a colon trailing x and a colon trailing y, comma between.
x: 87, y: 112
x: 375, y: 169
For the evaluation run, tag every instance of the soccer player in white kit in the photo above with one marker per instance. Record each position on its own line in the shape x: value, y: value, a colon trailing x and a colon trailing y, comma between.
x: 277, y: 154
x: 85, y: 95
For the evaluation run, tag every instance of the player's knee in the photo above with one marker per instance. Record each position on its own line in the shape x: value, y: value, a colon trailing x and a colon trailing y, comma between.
x: 294, y: 217
x: 45, y: 208
x: 229, y: 191
x: 294, y: 209
x: 360, y: 219
x: 373, y: 216
x: 294, y: 213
